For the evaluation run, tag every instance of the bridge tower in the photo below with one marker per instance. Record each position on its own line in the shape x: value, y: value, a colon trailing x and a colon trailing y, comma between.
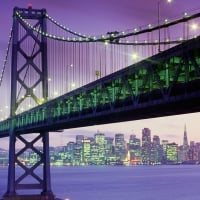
x: 29, y: 58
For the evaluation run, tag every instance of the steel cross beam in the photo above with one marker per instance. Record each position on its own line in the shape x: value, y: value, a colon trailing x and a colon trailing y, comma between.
x: 36, y: 48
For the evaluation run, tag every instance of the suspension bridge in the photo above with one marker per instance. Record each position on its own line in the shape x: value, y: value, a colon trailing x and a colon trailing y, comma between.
x: 56, y: 78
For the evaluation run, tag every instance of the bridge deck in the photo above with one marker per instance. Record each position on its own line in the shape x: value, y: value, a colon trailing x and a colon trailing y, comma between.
x: 165, y: 84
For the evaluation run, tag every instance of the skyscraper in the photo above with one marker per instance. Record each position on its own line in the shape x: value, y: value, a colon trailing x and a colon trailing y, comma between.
x: 100, y: 141
x: 108, y: 146
x: 172, y: 153
x: 94, y: 154
x: 146, y: 145
x: 185, y: 140
x: 156, y: 153
x: 79, y: 139
x: 120, y: 146
x: 70, y: 151
x: 134, y: 148
x: 78, y: 147
x: 185, y: 145
x: 86, y: 150
x: 164, y: 150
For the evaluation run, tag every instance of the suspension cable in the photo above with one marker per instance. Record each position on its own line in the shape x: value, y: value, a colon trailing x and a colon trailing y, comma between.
x: 6, y: 57
x: 114, y: 37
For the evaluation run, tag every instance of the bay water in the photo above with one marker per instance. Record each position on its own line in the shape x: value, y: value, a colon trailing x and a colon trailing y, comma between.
x: 165, y: 182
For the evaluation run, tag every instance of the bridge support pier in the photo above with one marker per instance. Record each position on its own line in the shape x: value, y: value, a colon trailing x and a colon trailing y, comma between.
x: 40, y: 180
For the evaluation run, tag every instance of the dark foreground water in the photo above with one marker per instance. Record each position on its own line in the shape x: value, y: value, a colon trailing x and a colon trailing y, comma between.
x: 181, y: 182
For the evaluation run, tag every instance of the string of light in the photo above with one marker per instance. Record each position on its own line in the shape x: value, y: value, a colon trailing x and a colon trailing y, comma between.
x: 64, y: 27
x: 114, y: 37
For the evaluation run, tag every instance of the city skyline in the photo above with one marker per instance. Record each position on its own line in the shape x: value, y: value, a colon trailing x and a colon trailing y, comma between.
x: 105, y: 17
x: 99, y: 149
x: 62, y: 138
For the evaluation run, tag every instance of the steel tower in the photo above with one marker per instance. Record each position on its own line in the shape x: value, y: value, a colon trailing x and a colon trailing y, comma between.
x: 29, y: 57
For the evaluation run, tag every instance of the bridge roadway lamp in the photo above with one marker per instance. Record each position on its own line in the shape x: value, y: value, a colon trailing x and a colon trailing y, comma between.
x: 158, y: 12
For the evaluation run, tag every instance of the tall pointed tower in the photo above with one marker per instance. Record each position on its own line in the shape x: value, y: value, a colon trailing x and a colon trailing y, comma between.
x: 185, y: 145
x: 185, y: 140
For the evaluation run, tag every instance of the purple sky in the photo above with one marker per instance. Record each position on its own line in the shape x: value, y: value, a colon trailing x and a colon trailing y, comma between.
x: 100, y: 16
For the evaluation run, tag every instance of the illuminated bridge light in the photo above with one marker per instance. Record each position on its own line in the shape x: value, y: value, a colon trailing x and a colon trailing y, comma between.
x: 73, y: 85
x: 55, y: 93
x: 194, y: 26
x: 166, y: 21
x: 135, y: 30
x: 106, y: 42
x: 185, y: 14
x: 135, y: 56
